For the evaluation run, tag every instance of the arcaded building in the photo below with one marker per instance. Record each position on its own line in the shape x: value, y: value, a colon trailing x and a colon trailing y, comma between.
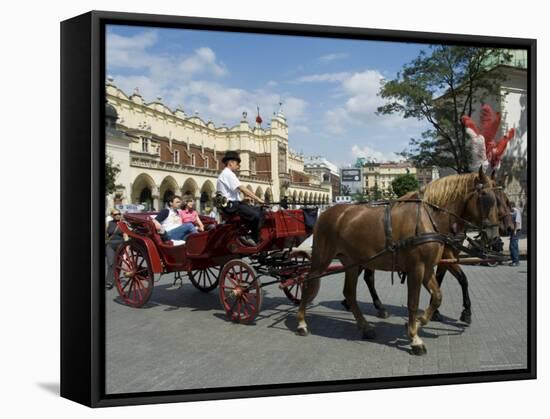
x: 161, y: 151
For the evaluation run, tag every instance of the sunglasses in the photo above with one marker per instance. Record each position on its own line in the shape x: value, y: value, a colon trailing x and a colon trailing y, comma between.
x: 118, y: 213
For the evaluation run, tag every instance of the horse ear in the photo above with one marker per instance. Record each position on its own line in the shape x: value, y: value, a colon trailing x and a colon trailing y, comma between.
x: 481, y: 175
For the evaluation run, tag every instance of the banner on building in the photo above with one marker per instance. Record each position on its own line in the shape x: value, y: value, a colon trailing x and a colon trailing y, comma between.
x: 351, y: 175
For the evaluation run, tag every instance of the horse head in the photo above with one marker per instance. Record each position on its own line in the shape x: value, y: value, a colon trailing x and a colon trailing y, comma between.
x: 504, y: 208
x: 481, y: 207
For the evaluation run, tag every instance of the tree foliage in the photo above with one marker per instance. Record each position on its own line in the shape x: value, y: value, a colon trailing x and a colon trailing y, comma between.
x: 439, y: 87
x: 111, y: 172
x: 404, y: 183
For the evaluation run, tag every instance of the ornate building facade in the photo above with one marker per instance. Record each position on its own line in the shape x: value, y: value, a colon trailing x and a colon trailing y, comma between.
x: 162, y: 152
x: 324, y: 171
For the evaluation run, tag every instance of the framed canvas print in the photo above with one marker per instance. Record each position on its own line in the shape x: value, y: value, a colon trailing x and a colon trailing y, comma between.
x: 254, y: 208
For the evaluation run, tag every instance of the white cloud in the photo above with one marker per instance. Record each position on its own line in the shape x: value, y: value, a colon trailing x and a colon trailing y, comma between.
x: 336, y: 120
x: 191, y: 81
x: 202, y: 61
x: 294, y: 108
x: 334, y: 56
x: 360, y: 94
x: 372, y: 154
x: 302, y: 129
x: 325, y: 77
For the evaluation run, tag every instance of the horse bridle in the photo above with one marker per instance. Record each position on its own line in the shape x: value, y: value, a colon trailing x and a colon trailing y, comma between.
x: 482, y: 204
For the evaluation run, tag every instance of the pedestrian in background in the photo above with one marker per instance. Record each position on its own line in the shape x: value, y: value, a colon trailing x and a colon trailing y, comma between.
x: 113, y: 240
x: 514, y: 237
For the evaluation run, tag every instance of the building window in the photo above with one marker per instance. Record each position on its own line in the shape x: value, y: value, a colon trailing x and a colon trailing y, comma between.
x: 282, y: 160
x: 253, y: 166
x: 145, y: 145
x: 176, y: 156
x: 192, y: 159
x: 206, y: 162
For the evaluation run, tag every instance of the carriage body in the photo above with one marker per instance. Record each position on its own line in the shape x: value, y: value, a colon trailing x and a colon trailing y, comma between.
x: 219, y: 243
x: 208, y: 256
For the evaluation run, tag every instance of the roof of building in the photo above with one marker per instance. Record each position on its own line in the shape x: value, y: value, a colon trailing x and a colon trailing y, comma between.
x: 319, y: 161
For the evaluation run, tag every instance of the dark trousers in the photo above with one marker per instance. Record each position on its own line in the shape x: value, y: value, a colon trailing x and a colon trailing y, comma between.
x: 252, y: 216
x: 110, y: 253
x: 514, y: 247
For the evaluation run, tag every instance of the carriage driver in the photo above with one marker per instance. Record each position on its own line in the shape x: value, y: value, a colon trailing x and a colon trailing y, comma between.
x: 229, y: 186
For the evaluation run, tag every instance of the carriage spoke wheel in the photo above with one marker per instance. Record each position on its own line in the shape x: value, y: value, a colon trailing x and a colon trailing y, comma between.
x: 295, y: 291
x: 240, y: 291
x: 134, y: 276
x: 205, y: 279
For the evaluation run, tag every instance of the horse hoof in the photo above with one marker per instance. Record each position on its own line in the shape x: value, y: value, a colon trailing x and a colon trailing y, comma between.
x: 466, y: 317
x: 436, y: 317
x: 383, y: 314
x: 419, y: 350
x: 369, y: 334
x: 301, y: 331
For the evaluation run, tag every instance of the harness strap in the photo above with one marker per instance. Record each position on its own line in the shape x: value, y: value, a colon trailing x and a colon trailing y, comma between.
x: 390, y: 246
x: 418, y: 205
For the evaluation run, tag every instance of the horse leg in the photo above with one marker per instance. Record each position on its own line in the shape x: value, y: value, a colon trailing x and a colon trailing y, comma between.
x: 414, y: 281
x: 435, y: 301
x: 350, y: 292
x: 369, y: 280
x: 344, y: 302
x: 439, y: 275
x: 459, y: 274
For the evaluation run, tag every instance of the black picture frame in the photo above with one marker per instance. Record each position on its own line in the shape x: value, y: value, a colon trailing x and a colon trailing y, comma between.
x: 82, y: 169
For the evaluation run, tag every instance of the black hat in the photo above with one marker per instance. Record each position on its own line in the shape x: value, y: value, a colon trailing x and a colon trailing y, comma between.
x: 231, y: 155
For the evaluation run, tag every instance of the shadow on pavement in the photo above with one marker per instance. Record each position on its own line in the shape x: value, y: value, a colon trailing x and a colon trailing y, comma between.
x: 175, y: 298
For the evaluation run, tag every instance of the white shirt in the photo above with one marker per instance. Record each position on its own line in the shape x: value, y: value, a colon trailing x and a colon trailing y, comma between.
x: 516, y: 217
x: 228, y: 185
x: 172, y: 221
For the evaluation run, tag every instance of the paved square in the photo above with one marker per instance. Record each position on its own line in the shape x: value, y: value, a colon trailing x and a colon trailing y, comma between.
x: 182, y: 340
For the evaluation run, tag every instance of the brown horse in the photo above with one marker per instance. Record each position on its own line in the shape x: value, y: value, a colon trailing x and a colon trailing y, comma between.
x: 358, y: 236
x: 505, y: 227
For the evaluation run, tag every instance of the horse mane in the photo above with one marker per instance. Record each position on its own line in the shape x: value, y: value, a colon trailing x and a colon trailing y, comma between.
x: 448, y: 189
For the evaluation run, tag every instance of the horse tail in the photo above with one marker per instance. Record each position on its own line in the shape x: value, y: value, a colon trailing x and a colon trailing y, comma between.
x: 323, y: 248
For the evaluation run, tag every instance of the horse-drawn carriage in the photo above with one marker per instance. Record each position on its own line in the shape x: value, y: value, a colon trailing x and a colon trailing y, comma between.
x: 216, y: 257
x: 413, y: 235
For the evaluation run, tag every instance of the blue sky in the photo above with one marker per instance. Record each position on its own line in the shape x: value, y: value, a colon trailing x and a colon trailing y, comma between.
x: 328, y: 87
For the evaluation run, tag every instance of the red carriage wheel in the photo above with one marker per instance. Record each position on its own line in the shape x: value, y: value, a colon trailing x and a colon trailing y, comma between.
x: 295, y: 290
x: 205, y: 279
x: 134, y: 278
x: 240, y: 291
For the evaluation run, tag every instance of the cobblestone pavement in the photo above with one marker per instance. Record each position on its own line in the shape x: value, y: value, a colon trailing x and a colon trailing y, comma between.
x: 182, y: 340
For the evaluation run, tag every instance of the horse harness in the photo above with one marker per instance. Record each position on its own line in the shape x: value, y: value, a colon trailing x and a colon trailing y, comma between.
x: 394, y: 246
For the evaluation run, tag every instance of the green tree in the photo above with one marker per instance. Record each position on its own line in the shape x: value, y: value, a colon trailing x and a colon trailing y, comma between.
x: 359, y: 197
x: 111, y: 172
x: 404, y: 183
x: 375, y: 193
x: 440, y: 87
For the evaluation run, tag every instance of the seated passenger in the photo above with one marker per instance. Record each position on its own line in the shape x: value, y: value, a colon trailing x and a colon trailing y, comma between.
x: 168, y: 221
x: 190, y: 217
